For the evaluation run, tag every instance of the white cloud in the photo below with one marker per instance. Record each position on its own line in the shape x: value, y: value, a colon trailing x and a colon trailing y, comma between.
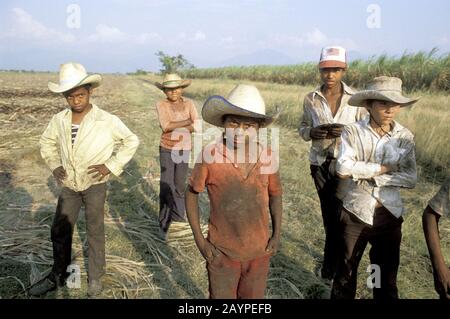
x: 199, y: 36
x: 316, y: 38
x: 105, y: 33
x: 24, y: 26
x: 185, y: 37
x: 110, y: 34
x: 145, y: 38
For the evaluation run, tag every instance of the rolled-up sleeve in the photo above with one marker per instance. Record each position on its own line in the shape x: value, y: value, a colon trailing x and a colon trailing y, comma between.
x: 348, y: 163
x: 49, y: 145
x: 193, y: 114
x: 199, y: 176
x: 128, y: 144
x: 306, y: 122
x: 440, y: 203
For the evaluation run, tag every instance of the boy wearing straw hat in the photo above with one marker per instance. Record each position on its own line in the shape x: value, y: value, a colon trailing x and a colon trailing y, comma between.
x: 243, y: 183
x: 78, y: 146
x: 377, y: 157
x: 325, y: 112
x: 437, y: 207
x: 177, y: 116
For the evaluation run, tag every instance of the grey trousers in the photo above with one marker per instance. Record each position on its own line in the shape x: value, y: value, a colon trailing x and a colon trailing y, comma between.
x: 67, y: 211
x: 172, y: 187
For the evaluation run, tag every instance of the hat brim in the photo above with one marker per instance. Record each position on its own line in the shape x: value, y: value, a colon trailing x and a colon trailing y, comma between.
x: 184, y: 84
x: 94, y: 80
x: 332, y: 64
x: 217, y: 106
x: 360, y: 98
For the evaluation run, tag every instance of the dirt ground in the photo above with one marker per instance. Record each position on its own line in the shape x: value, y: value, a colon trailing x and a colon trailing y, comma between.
x: 139, y: 264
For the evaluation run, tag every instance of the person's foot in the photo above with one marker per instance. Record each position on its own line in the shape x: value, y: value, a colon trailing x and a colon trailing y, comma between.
x: 45, y: 285
x: 95, y: 288
x: 164, y: 234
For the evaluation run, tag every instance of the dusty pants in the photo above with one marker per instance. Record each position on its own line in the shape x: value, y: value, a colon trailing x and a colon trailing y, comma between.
x: 232, y: 279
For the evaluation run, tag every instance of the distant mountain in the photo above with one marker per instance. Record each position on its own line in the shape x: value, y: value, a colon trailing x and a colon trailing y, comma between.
x: 266, y: 57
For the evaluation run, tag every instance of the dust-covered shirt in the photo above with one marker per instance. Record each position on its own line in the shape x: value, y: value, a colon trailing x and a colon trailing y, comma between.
x: 361, y: 155
x: 239, y: 205
x: 316, y: 112
x: 441, y: 201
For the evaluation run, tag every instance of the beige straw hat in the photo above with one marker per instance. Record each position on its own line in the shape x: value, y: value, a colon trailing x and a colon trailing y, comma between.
x: 243, y: 100
x: 382, y: 88
x: 72, y: 75
x: 172, y: 81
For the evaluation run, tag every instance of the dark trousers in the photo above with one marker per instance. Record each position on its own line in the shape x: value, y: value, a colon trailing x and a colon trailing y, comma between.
x: 67, y: 210
x: 172, y: 187
x: 233, y: 279
x: 326, y: 185
x: 385, y: 237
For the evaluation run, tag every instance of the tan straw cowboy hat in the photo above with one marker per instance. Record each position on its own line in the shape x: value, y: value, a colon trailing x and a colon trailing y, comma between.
x: 72, y: 75
x: 172, y: 81
x: 382, y: 88
x: 243, y: 100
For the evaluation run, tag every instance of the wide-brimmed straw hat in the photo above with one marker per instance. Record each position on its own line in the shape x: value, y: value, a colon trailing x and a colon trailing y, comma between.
x: 382, y: 88
x: 243, y: 100
x: 172, y: 81
x: 72, y: 75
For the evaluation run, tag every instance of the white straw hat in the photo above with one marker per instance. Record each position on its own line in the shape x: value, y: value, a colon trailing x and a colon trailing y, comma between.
x: 243, y: 100
x: 72, y: 75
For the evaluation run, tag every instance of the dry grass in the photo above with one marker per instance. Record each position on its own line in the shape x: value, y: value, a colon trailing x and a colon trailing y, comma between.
x: 302, y: 231
x: 139, y: 265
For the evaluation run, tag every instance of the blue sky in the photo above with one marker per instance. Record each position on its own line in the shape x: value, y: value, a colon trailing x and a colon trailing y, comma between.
x: 122, y: 36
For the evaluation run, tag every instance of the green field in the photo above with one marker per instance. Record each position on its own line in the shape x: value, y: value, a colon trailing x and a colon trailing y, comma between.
x: 139, y: 265
x: 419, y: 71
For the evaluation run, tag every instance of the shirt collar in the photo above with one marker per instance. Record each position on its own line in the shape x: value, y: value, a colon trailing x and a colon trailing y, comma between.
x: 347, y: 90
x: 222, y: 149
x: 93, y: 113
x: 181, y: 98
x: 396, y: 127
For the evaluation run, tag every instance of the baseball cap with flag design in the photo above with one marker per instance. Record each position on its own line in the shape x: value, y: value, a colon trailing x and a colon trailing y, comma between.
x: 333, y: 57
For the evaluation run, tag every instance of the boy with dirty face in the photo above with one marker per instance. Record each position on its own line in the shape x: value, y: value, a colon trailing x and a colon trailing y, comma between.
x: 243, y: 184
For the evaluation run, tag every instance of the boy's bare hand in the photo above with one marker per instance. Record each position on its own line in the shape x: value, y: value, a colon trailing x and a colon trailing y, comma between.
x: 99, y: 171
x: 272, y: 245
x: 60, y: 174
x: 317, y: 133
x: 208, y: 250
x: 388, y: 168
x: 442, y: 282
x: 336, y: 131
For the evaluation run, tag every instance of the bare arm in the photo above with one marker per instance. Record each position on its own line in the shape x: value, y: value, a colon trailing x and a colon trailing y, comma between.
x: 276, y: 209
x: 430, y: 222
x: 172, y: 126
x: 207, y: 250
